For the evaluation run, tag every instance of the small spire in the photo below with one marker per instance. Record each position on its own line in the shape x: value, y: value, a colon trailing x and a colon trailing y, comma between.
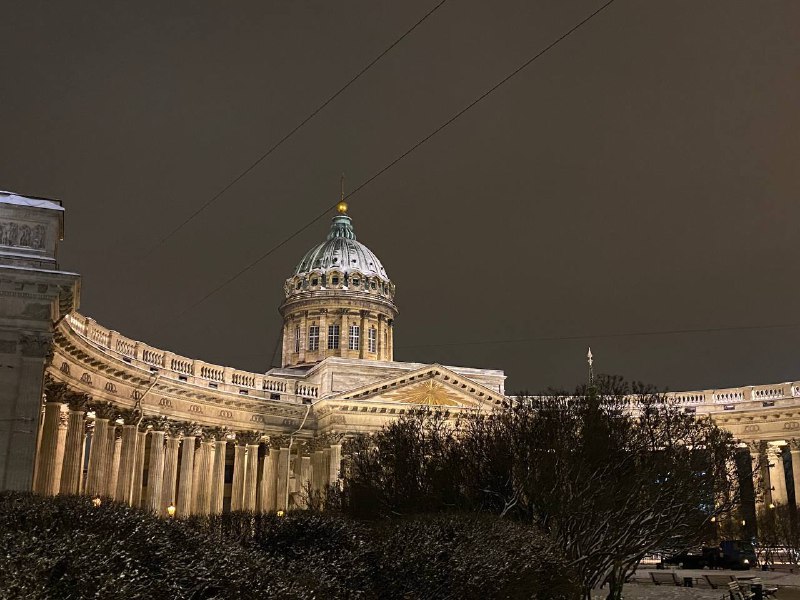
x: 591, y: 362
x: 342, y: 206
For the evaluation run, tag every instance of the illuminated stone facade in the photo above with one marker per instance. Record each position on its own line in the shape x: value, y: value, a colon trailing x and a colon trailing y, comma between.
x: 119, y: 418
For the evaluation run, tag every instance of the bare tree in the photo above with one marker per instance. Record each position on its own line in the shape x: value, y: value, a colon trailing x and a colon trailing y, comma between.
x: 611, y: 472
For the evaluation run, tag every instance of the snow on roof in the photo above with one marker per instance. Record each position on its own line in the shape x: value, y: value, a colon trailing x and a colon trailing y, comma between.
x: 32, y: 201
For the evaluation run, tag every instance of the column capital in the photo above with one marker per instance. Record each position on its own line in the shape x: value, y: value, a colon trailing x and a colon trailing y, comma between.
x: 249, y: 438
x: 278, y: 441
x: 55, y: 391
x: 794, y: 445
x: 77, y: 401
x: 104, y: 410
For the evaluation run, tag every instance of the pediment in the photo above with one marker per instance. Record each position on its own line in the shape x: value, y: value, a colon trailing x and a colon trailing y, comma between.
x: 429, y: 386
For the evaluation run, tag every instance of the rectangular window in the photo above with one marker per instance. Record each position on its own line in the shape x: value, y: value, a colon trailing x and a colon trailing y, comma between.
x: 313, y: 337
x: 355, y: 334
x: 333, y: 337
x: 297, y: 338
x: 372, y: 339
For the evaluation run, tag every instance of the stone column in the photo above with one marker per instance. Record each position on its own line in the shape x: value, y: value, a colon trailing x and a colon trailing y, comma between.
x: 127, y: 459
x: 46, y: 463
x: 344, y: 333
x: 282, y: 480
x: 334, y: 464
x: 390, y: 349
x: 203, y: 480
x: 381, y: 346
x: 794, y: 449
x: 73, y: 445
x: 323, y: 331
x: 363, y: 338
x: 303, y: 336
x: 138, y: 468
x: 115, y: 442
x: 267, y: 492
x: 155, y: 472
x: 19, y: 432
x: 169, y: 481
x: 218, y: 477
x: 60, y: 444
x: 251, y: 478
x: 96, y: 484
x: 237, y: 489
x: 777, y: 476
x: 184, y: 506
x: 319, y: 477
x: 761, y: 479
x: 304, y: 481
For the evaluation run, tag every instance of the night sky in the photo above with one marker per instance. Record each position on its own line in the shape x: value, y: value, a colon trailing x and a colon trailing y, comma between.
x: 642, y: 176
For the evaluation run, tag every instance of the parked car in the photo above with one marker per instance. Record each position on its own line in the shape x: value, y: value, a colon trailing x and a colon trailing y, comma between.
x: 730, y: 554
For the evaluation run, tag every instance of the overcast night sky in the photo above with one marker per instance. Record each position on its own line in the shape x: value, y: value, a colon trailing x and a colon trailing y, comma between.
x: 643, y: 175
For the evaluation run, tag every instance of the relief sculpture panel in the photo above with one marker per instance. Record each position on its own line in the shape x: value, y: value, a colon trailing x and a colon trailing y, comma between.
x: 22, y: 235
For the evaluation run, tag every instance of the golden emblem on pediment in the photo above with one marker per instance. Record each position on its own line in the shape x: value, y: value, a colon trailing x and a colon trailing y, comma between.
x: 428, y: 393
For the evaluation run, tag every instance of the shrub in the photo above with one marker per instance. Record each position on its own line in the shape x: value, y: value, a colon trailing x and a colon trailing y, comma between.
x: 65, y: 547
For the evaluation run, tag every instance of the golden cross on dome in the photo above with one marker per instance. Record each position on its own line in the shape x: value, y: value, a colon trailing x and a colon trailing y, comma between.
x: 342, y: 206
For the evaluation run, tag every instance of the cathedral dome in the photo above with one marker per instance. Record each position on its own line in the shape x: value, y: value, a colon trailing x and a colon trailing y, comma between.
x: 341, y: 252
x: 341, y: 263
x: 339, y: 302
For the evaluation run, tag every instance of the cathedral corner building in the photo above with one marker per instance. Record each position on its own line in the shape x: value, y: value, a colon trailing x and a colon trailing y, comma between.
x: 86, y: 410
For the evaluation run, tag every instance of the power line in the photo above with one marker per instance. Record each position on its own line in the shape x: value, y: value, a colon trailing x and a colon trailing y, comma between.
x: 297, y: 127
x: 419, y: 143
x: 602, y: 336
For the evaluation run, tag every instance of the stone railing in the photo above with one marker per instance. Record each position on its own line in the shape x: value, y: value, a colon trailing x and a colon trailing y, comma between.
x: 185, y: 369
x: 746, y: 397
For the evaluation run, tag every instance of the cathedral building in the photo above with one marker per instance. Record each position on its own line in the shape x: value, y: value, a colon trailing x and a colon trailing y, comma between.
x: 86, y: 410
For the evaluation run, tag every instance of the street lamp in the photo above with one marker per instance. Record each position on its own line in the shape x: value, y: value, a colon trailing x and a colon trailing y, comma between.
x: 280, y: 513
x: 171, y: 510
x: 96, y: 501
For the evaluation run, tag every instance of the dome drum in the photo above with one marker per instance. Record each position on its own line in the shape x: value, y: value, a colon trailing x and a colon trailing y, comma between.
x: 338, y: 302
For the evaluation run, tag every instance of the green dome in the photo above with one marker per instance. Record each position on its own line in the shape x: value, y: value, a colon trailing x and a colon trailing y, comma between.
x: 341, y: 252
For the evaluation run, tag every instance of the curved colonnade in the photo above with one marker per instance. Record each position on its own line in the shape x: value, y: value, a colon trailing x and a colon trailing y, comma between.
x: 127, y: 421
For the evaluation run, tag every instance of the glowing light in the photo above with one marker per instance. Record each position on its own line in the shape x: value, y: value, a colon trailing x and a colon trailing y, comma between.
x: 96, y: 501
x: 171, y: 510
x: 280, y: 513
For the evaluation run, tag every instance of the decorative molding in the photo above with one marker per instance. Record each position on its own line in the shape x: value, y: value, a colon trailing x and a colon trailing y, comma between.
x: 36, y: 345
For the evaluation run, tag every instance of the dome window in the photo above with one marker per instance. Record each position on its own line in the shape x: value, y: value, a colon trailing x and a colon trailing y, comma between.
x: 314, y: 281
x: 334, y: 280
x: 356, y: 282
x: 299, y: 284
x: 335, y: 259
x: 372, y: 285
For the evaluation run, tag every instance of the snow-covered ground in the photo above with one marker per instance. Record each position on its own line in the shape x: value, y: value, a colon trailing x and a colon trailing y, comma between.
x: 788, y: 586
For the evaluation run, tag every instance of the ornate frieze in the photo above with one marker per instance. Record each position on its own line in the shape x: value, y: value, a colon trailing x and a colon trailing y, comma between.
x: 22, y: 235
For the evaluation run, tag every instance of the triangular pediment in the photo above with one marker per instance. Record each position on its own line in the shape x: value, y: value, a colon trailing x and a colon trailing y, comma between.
x: 429, y: 386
